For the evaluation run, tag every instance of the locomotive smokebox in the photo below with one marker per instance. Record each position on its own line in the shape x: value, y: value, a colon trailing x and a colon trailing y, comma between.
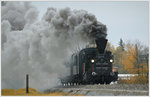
x: 101, y: 44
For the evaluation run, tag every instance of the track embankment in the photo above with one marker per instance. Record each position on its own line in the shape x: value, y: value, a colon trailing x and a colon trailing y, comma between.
x: 106, y: 90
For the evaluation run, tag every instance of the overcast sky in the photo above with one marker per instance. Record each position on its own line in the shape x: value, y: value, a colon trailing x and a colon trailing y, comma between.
x: 126, y: 20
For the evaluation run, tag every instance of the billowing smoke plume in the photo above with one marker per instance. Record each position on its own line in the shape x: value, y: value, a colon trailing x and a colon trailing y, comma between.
x: 41, y: 47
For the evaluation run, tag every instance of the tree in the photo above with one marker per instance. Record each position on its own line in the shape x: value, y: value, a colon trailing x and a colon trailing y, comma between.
x: 132, y: 61
x: 129, y: 59
x: 118, y: 57
x: 110, y: 47
x: 122, y: 45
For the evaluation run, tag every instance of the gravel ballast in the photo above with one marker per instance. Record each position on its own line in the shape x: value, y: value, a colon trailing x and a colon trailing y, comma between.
x: 106, y: 90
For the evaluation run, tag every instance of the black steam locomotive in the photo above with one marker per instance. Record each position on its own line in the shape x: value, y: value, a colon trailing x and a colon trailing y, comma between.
x: 92, y: 66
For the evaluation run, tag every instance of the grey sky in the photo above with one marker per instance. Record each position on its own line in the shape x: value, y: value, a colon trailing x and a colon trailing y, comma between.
x: 126, y: 20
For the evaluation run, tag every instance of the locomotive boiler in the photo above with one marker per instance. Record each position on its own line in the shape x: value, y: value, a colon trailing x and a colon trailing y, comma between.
x: 92, y: 66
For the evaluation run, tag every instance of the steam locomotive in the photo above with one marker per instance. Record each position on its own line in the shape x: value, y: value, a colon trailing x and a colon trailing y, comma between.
x: 92, y: 66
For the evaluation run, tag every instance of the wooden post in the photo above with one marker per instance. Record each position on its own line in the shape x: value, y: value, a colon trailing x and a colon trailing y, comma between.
x: 27, y: 83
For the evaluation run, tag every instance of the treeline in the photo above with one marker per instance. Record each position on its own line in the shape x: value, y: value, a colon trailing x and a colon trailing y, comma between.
x: 131, y: 58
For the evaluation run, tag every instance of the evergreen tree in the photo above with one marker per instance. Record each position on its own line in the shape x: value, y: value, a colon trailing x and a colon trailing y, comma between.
x: 121, y: 44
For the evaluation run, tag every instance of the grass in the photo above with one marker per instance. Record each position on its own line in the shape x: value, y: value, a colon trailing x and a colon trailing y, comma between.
x: 33, y: 92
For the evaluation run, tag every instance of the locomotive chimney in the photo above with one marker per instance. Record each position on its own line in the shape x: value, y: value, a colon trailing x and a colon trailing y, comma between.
x: 101, y: 44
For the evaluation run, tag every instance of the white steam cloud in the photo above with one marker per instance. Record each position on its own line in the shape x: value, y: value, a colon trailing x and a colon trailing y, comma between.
x: 41, y: 47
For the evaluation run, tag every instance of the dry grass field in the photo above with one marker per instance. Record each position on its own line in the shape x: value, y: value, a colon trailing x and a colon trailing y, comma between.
x: 33, y: 92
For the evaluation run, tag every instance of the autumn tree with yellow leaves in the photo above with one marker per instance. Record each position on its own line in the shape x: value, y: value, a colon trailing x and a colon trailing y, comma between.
x: 131, y: 58
x: 133, y: 62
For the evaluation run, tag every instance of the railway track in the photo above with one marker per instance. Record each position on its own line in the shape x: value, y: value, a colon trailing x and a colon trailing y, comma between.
x: 105, y: 90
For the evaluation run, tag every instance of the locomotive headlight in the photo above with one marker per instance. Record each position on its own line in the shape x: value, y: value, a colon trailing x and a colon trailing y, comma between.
x: 92, y: 60
x: 111, y: 60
